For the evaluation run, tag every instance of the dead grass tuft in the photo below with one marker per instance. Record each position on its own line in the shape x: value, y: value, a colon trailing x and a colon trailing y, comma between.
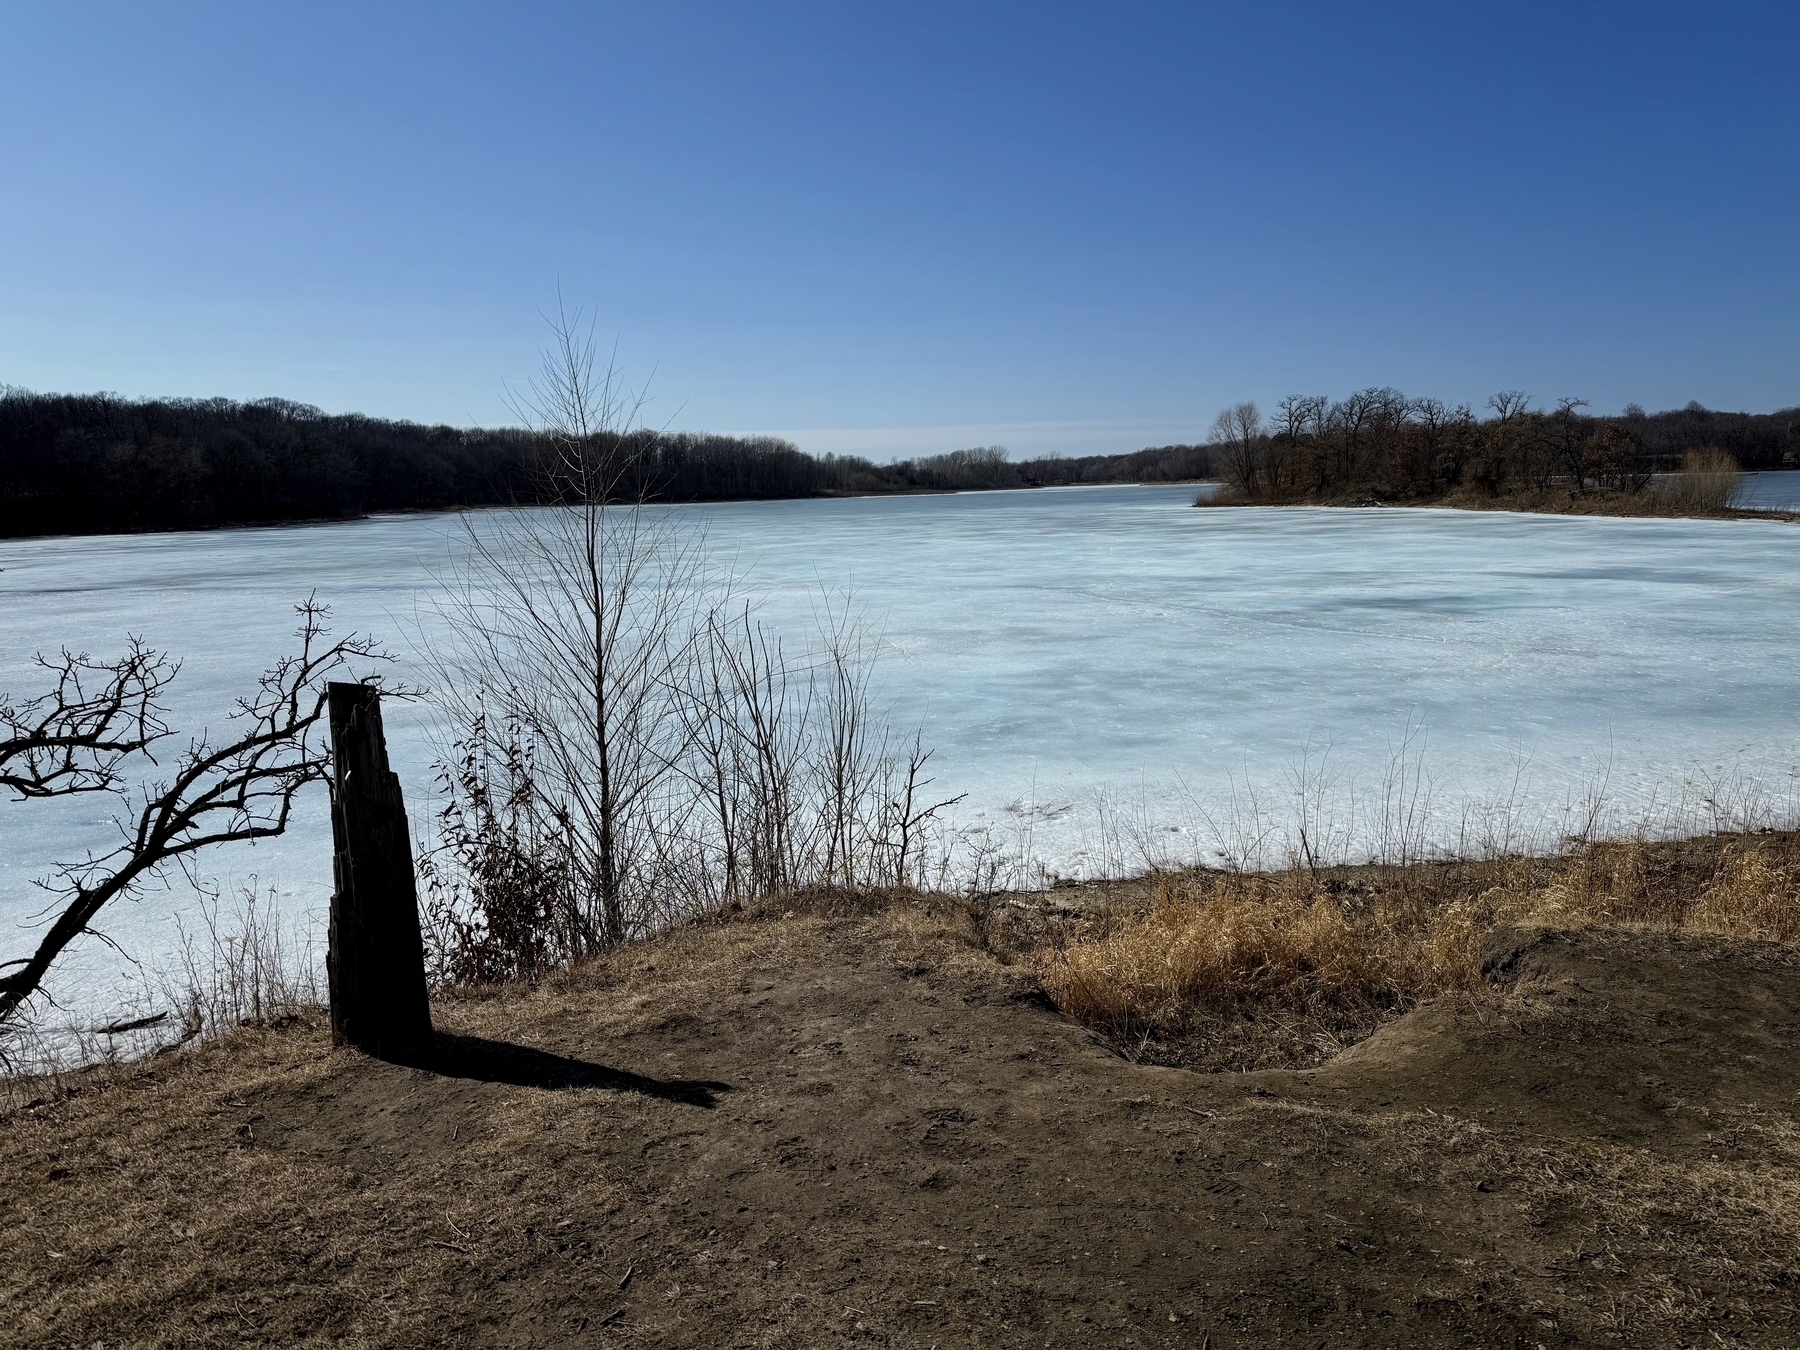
x: 1754, y: 894
x: 1256, y: 970
x: 1708, y: 482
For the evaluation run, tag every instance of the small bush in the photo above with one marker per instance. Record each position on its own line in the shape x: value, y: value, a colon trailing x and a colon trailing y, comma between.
x: 1709, y: 481
x: 498, y: 899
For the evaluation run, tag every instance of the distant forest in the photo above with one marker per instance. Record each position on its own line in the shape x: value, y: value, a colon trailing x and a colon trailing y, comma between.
x: 1380, y: 444
x: 99, y: 463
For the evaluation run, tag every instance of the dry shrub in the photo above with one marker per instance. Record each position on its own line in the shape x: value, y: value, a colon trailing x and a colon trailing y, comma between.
x: 1709, y: 480
x: 1248, y: 970
x: 239, y: 965
x: 499, y: 901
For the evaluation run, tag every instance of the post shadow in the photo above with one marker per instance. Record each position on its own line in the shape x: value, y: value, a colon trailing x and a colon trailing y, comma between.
x: 484, y: 1061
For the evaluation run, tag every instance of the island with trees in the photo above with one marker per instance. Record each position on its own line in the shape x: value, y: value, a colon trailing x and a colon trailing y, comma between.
x: 1378, y: 446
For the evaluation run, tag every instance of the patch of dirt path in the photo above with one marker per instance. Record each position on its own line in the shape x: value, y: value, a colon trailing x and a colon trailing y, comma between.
x: 816, y: 1131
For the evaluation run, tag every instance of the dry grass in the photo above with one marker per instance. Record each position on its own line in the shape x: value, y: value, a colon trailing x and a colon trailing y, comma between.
x: 1254, y: 970
x: 237, y: 964
x: 154, y: 1203
x: 1708, y: 482
x: 1666, y: 1247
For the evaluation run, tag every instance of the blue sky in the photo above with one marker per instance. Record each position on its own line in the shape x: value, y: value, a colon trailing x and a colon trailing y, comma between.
x: 887, y: 230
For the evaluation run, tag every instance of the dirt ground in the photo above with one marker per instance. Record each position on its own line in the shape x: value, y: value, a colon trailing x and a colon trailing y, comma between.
x: 865, y: 1129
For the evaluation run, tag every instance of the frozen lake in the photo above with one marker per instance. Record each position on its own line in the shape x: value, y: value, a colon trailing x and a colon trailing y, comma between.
x: 1771, y: 491
x: 1105, y: 671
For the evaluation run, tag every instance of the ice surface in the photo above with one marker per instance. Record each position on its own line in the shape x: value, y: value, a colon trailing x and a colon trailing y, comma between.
x: 1770, y: 491
x: 1097, y: 667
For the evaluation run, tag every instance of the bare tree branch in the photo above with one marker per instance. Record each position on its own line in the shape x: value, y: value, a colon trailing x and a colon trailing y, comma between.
x: 240, y: 790
x: 97, y: 715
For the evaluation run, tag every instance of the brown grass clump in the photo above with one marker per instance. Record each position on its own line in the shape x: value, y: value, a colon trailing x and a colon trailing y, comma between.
x: 1708, y: 481
x: 1231, y: 970
x: 1755, y: 894
x: 1255, y: 970
x: 1228, y: 942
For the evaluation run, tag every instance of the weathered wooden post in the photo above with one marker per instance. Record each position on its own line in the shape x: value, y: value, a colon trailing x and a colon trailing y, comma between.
x: 376, y: 964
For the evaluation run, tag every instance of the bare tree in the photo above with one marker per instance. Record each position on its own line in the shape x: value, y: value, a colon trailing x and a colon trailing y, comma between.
x: 770, y: 770
x: 1298, y: 420
x: 1516, y: 443
x: 570, y: 620
x: 242, y: 788
x: 1237, y: 431
x: 683, y: 754
x: 1352, y: 420
x: 906, y: 813
x: 1509, y: 404
x: 1566, y: 433
x: 1618, y: 458
x: 96, y: 716
x: 847, y: 756
x: 1440, y: 444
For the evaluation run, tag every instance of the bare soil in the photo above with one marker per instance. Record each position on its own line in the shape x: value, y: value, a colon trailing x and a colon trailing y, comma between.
x: 864, y: 1128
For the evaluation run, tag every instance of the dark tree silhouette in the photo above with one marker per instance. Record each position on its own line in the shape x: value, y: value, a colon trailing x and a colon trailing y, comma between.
x: 1377, y: 444
x: 95, y: 463
x: 96, y: 715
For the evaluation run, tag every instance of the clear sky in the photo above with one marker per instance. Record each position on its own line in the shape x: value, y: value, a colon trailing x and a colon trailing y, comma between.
x: 911, y: 227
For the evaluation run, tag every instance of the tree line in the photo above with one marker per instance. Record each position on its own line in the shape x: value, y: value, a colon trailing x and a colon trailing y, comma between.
x: 99, y: 463
x: 1379, y: 443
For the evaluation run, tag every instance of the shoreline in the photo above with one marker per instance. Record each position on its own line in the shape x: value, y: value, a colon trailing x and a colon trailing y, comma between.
x: 302, y: 522
x: 1591, y: 507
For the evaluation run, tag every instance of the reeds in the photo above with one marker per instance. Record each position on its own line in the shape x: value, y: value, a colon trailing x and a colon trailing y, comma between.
x: 1709, y: 482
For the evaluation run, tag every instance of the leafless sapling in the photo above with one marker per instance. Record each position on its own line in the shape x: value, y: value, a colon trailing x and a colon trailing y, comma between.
x: 567, y: 621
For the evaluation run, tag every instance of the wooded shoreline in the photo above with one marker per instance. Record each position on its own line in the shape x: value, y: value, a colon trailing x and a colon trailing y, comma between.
x: 100, y: 464
x: 80, y: 464
x: 1379, y: 446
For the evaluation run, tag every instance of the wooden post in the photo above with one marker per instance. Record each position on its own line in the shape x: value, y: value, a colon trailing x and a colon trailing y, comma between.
x: 376, y: 963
